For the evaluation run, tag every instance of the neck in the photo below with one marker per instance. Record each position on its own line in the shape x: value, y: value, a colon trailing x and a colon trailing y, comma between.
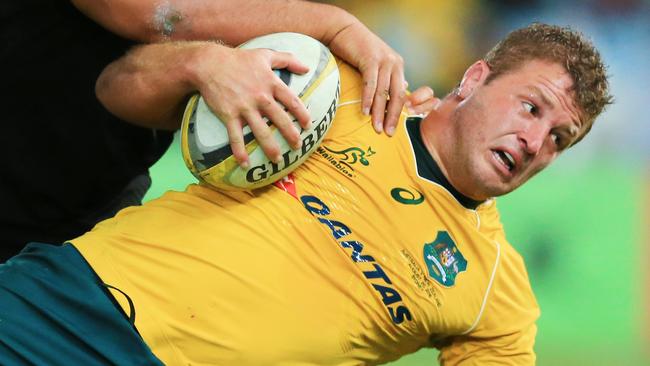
x: 437, y: 133
x: 433, y: 131
x: 428, y: 168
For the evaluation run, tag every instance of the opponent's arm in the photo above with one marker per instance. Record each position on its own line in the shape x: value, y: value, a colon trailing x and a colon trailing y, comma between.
x: 237, y: 21
x: 150, y: 85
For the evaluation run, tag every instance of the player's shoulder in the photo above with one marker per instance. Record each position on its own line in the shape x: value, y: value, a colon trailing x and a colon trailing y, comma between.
x: 490, y: 220
x: 511, y: 277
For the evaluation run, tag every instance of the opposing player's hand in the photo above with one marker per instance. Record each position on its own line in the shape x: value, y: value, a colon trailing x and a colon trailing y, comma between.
x: 241, y: 89
x: 384, y: 87
x: 422, y: 101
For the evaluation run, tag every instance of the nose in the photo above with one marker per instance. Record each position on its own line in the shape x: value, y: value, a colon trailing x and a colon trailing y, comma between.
x: 532, y: 138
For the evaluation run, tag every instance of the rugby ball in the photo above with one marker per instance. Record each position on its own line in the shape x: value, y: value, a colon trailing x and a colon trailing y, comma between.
x: 204, y: 138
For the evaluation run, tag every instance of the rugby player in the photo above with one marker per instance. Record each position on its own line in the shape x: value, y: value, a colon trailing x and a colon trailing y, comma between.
x: 372, y: 249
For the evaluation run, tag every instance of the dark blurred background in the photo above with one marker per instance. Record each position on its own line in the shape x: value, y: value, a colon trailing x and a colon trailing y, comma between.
x: 583, y: 224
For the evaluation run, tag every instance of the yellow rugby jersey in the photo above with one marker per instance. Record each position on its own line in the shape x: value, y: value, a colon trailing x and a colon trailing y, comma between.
x: 365, y: 254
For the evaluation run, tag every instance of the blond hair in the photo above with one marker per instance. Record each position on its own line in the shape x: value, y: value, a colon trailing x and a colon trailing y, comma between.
x: 561, y: 45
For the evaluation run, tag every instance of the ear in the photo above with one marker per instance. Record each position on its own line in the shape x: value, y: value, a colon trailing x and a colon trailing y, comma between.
x: 474, y: 76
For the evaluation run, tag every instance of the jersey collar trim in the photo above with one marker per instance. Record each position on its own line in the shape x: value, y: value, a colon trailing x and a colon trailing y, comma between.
x: 427, y: 168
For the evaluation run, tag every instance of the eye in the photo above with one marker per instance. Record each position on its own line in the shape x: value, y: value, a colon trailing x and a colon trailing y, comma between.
x: 530, y: 108
x: 558, y: 140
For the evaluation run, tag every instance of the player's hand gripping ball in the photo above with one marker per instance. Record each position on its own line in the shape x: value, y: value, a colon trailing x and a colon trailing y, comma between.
x: 204, y: 139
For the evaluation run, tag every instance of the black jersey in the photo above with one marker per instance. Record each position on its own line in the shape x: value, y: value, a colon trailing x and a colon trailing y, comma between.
x: 64, y: 157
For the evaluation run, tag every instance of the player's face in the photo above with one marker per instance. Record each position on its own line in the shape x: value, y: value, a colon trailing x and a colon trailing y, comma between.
x: 512, y: 128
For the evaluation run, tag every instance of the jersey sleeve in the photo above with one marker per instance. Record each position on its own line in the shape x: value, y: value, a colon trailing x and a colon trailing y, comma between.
x: 514, y: 349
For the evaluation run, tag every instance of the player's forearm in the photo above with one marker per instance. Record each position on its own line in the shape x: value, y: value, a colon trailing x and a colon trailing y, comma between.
x: 149, y: 86
x: 242, y: 20
x: 230, y: 21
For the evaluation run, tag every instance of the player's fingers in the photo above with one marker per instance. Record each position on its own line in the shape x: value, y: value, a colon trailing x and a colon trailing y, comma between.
x: 382, y: 93
x: 237, y: 145
x: 422, y: 101
x: 369, y: 75
x: 424, y: 108
x: 293, y: 104
x: 286, y: 60
x: 263, y: 134
x: 396, y: 102
x: 283, y: 122
x: 421, y: 95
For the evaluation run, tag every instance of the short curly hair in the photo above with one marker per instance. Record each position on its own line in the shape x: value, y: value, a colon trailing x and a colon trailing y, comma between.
x: 562, y: 45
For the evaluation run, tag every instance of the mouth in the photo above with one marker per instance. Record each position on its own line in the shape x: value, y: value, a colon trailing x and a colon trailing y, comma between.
x: 506, y: 160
